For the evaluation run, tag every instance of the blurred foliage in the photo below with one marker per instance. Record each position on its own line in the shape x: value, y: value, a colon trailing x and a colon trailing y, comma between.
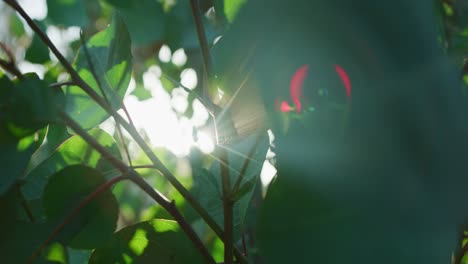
x: 48, y: 170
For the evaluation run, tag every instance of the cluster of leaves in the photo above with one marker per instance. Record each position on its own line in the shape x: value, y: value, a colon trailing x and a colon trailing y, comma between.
x: 57, y: 192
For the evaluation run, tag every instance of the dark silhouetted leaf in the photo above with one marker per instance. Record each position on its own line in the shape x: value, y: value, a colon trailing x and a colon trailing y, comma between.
x: 37, y: 52
x: 96, y: 221
x: 155, y: 241
x: 67, y: 12
x: 28, y: 105
x: 138, y: 15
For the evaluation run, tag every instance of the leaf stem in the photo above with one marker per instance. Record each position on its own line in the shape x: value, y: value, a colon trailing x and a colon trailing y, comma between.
x: 172, y: 209
x: 101, y: 88
x: 102, y: 188
x: 194, y: 4
x: 228, y: 205
x: 135, y: 178
x: 240, y: 177
x: 127, y: 126
x: 26, y: 208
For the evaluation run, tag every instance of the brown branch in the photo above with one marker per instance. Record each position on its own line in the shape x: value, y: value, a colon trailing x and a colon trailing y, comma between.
x: 127, y: 126
x: 11, y: 68
x: 26, y: 208
x: 205, y: 50
x: 118, y: 164
x: 106, y: 99
x: 130, y: 129
x: 135, y: 178
x: 172, y: 209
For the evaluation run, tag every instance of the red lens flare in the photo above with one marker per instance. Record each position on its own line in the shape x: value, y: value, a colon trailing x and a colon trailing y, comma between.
x: 295, y: 88
x: 344, y: 77
x: 296, y: 85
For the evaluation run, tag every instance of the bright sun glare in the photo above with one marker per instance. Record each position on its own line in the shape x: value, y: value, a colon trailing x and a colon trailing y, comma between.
x: 160, y: 117
x: 157, y: 117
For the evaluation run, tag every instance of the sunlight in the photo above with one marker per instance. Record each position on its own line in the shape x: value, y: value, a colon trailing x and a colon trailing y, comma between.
x: 158, y: 118
x: 205, y: 142
x: 37, y: 9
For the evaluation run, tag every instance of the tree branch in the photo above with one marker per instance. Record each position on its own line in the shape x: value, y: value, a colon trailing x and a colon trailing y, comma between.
x: 127, y: 126
x: 172, y: 209
x: 135, y: 178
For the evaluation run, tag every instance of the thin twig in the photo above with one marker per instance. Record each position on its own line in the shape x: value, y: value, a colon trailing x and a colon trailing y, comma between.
x: 135, y: 178
x: 118, y: 164
x: 227, y: 201
x: 101, y: 88
x: 172, y: 209
x: 127, y: 126
x: 210, y: 107
x: 11, y: 68
x: 105, y: 186
x: 26, y: 208
x: 205, y: 50
x: 60, y: 84
x: 228, y: 205
x: 241, y: 175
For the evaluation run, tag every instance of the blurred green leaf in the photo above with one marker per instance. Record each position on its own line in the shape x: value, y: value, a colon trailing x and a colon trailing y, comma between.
x: 111, y: 58
x: 38, y: 52
x: 155, y: 241
x: 96, y: 221
x: 232, y: 7
x: 73, y: 151
x: 28, y: 105
x: 141, y: 92
x: 67, y: 12
x: 145, y: 19
x: 57, y: 253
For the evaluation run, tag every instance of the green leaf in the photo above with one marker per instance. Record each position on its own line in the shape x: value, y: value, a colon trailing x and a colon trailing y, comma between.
x: 141, y: 92
x: 67, y: 12
x: 96, y: 221
x: 19, y: 239
x: 37, y: 52
x: 155, y: 241
x: 28, y: 105
x: 111, y: 58
x: 145, y: 19
x: 232, y: 7
x: 13, y: 163
x: 207, y: 186
x: 73, y: 151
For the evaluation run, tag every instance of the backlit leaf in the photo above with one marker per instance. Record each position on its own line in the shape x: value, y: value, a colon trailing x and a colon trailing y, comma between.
x: 155, y: 241
x: 111, y: 58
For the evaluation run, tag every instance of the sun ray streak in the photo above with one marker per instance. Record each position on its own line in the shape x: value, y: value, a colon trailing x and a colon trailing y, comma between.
x: 229, y: 103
